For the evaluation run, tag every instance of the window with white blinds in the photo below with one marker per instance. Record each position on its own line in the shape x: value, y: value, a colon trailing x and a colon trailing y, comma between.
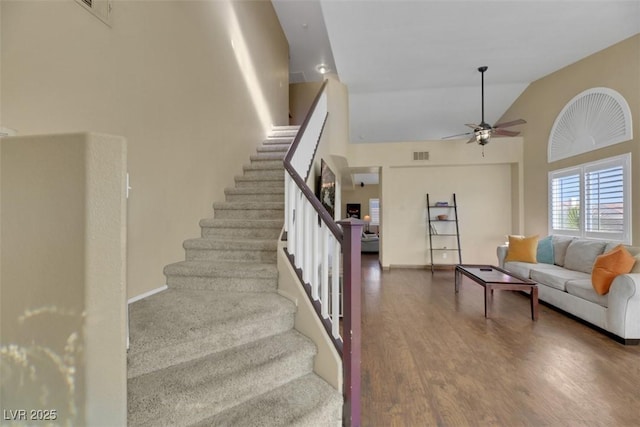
x: 374, y: 211
x: 592, y: 200
x: 565, y: 203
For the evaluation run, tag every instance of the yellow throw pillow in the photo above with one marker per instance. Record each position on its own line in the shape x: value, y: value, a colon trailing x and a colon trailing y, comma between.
x: 522, y: 249
x: 609, y: 265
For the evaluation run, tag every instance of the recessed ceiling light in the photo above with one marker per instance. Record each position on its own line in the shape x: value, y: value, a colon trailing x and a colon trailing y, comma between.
x: 322, y: 68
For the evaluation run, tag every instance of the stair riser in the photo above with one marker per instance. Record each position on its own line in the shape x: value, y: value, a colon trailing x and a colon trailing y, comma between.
x: 268, y: 156
x: 227, y: 255
x: 242, y: 233
x: 249, y: 213
x: 284, y: 133
x: 277, y: 183
x: 281, y: 137
x: 267, y: 163
x: 265, y: 173
x: 223, y: 284
x: 273, y: 148
x: 237, y: 334
x: 255, y: 198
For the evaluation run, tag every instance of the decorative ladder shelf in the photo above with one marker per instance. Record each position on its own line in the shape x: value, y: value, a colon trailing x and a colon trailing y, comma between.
x: 441, y: 233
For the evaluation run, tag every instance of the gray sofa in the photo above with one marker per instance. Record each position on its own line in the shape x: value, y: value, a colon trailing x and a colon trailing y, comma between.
x: 566, y: 284
x: 370, y: 243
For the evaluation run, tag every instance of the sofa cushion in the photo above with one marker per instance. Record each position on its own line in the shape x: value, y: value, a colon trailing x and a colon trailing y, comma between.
x: 518, y: 268
x: 544, y: 253
x: 583, y: 289
x: 522, y: 249
x: 582, y: 253
x: 560, y: 245
x: 633, y: 250
x: 524, y: 269
x: 609, y: 265
x: 557, y: 277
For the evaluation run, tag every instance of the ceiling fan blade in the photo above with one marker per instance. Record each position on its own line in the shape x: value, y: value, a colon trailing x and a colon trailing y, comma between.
x: 458, y: 135
x: 472, y: 139
x: 471, y: 125
x: 511, y: 123
x: 504, y: 132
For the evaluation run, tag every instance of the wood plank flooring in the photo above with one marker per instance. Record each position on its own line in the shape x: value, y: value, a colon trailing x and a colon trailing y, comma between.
x: 429, y: 357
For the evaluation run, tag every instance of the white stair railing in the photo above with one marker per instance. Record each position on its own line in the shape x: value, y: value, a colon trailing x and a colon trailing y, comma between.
x: 320, y: 251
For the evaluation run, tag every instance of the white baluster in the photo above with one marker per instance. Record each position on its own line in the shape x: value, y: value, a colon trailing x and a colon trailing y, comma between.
x: 299, y: 228
x: 335, y: 291
x: 306, y: 248
x: 291, y: 232
x: 314, y: 256
x: 325, y: 271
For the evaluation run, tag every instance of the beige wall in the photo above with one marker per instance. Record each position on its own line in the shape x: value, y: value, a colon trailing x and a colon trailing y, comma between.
x: 192, y: 85
x: 62, y: 276
x: 301, y: 95
x: 335, y: 138
x: 483, y: 187
x: 618, y: 68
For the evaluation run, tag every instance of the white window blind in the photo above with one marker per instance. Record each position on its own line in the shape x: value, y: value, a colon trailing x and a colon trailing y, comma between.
x: 565, y: 202
x: 604, y: 188
x: 374, y: 211
x: 592, y: 200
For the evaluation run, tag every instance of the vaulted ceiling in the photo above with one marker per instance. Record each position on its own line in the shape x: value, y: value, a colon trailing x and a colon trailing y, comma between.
x: 411, y: 66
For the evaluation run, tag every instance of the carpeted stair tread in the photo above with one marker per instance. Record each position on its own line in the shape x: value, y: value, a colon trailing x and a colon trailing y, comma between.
x: 222, y: 269
x: 244, y: 229
x: 282, y: 139
x: 264, y: 166
x: 254, y: 190
x: 248, y: 206
x: 179, y: 325
x: 286, y: 127
x: 231, y: 244
x: 273, y: 148
x: 268, y: 156
x: 187, y: 393
x: 241, y: 223
x: 277, y: 180
x: 306, y: 401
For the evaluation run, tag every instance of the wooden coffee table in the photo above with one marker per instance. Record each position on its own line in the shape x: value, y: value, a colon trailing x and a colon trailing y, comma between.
x: 491, y: 278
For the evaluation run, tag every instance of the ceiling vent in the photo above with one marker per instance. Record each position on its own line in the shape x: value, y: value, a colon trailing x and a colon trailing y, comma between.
x: 593, y: 119
x: 420, y: 155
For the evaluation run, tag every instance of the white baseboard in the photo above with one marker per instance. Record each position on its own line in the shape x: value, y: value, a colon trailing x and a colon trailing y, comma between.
x: 147, y: 294
x: 138, y: 298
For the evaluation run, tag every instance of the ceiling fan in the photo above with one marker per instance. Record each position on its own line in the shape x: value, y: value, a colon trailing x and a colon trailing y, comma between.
x: 482, y: 133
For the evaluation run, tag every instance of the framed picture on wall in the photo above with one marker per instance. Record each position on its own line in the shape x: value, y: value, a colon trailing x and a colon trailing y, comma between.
x: 353, y: 210
x: 327, y: 193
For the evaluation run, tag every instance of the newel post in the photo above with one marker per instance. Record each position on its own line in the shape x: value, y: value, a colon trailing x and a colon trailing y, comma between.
x: 352, y: 233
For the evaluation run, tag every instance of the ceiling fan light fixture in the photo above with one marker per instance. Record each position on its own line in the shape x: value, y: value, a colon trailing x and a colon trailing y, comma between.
x: 483, y: 136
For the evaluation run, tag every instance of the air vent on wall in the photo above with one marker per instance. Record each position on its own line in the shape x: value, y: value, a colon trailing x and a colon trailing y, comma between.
x: 420, y: 155
x: 100, y: 8
x: 593, y: 119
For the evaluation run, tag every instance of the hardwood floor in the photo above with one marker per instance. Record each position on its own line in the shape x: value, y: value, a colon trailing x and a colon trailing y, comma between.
x: 429, y: 357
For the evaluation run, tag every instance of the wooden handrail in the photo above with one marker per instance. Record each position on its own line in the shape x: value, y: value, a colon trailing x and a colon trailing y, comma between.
x: 300, y: 182
x: 348, y: 239
x: 303, y: 128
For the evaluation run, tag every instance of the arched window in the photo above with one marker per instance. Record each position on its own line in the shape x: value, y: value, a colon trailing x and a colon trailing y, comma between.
x: 593, y: 119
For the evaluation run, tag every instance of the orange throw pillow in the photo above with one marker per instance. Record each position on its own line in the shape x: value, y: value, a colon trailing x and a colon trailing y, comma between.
x: 522, y: 249
x: 607, y: 266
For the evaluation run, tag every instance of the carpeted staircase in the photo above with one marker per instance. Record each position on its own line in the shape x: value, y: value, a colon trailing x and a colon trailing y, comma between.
x: 218, y: 347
